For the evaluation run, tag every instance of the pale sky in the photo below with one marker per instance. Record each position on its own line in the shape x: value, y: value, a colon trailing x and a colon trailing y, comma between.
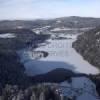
x: 34, y: 9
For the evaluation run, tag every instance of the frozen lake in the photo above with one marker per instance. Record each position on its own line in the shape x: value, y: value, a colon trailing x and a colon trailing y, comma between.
x: 61, y: 55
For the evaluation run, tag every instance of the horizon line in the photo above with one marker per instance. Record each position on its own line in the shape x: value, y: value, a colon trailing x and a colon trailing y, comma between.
x: 11, y: 19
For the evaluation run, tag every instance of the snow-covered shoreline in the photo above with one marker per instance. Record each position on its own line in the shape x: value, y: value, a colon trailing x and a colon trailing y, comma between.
x: 61, y: 55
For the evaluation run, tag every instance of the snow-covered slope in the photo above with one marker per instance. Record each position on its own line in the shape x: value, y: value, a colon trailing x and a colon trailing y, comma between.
x: 88, y: 45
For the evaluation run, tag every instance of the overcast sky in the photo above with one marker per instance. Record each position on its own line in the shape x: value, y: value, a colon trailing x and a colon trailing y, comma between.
x: 33, y: 9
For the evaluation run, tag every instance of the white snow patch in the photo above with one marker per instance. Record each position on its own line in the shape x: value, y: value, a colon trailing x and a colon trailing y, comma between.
x: 20, y: 27
x: 98, y: 40
x: 37, y: 31
x: 7, y: 35
x: 98, y: 33
x: 42, y: 29
x: 62, y: 29
x: 58, y: 21
x: 45, y: 27
x: 69, y: 29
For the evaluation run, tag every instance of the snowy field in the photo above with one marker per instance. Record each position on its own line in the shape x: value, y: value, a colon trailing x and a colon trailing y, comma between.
x: 61, y: 55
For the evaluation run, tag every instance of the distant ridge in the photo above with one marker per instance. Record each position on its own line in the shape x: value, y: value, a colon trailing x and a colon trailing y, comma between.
x: 65, y: 22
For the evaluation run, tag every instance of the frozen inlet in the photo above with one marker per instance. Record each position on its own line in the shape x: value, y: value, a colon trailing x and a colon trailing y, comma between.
x: 60, y: 55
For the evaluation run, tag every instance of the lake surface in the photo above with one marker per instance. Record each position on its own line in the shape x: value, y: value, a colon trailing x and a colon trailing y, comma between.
x: 61, y: 55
